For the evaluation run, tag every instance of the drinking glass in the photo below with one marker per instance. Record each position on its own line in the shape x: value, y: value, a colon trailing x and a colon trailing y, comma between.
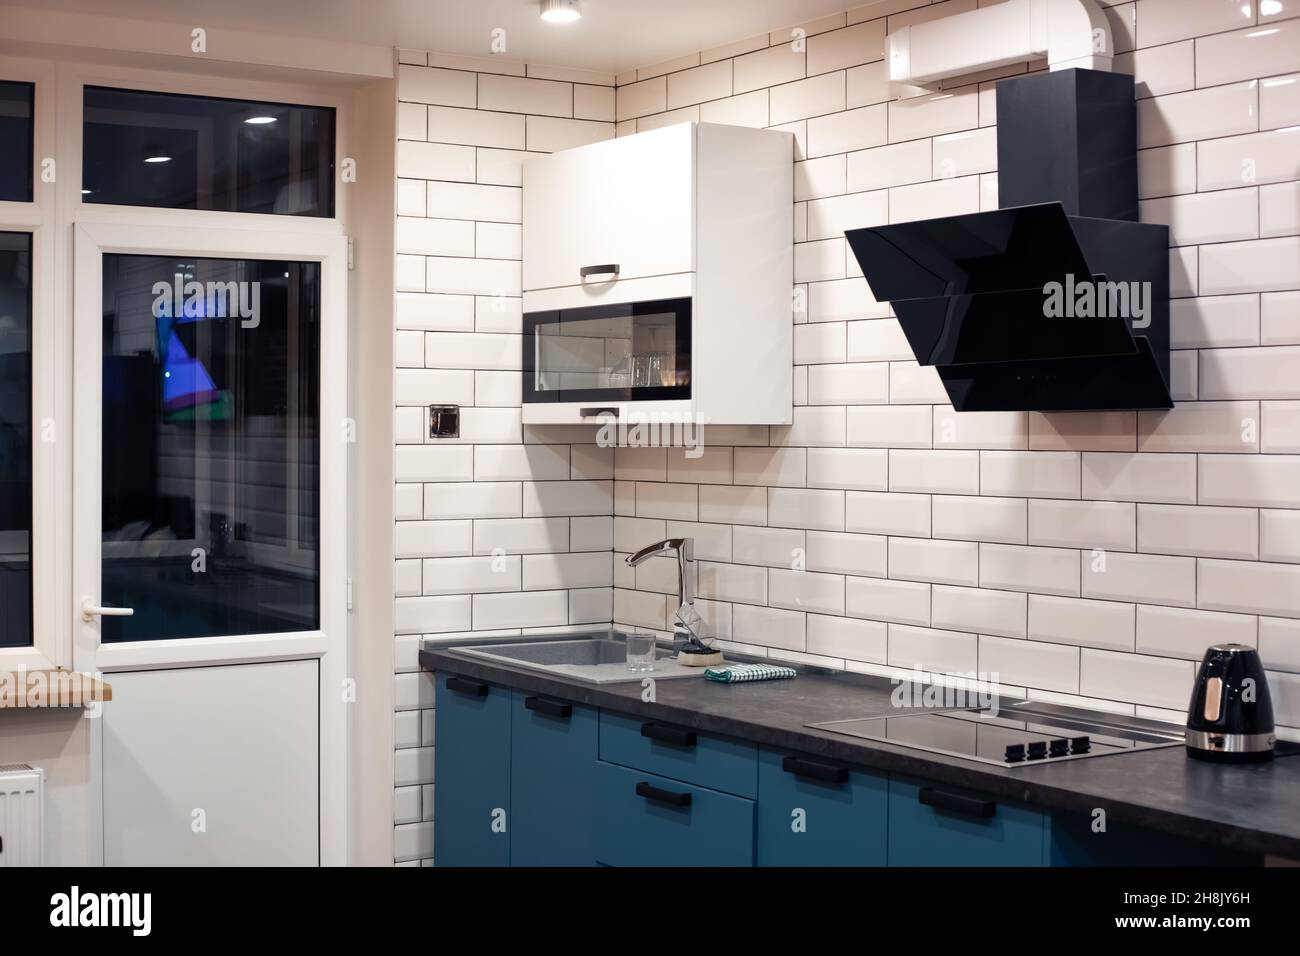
x: 640, y: 652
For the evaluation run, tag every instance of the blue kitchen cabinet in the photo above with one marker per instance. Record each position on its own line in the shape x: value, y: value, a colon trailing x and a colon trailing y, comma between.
x: 938, y: 825
x: 552, y: 780
x: 643, y: 819
x: 471, y: 759
x: 814, y: 812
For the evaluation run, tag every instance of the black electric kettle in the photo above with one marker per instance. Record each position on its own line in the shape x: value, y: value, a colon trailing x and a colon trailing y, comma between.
x: 1230, y: 718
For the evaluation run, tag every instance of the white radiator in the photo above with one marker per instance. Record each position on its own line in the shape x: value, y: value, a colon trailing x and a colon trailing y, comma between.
x: 22, y: 824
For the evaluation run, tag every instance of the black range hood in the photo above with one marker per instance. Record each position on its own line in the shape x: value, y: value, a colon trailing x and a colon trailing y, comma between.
x: 1059, y: 300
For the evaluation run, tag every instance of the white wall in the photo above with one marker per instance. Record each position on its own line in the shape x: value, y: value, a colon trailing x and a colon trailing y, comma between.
x: 541, y: 497
x: 952, y: 542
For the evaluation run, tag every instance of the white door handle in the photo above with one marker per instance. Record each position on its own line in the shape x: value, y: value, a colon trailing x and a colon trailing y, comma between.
x: 90, y: 611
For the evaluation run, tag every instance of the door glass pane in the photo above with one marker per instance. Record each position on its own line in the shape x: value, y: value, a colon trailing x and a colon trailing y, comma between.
x: 203, y: 152
x: 15, y: 439
x: 16, y: 141
x: 632, y: 351
x: 211, y: 443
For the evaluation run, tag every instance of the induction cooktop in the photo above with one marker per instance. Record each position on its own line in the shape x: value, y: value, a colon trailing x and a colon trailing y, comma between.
x: 1014, y: 735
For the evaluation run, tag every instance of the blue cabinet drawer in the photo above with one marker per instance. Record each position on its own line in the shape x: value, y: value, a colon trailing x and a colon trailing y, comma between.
x: 552, y: 781
x: 647, y: 820
x: 671, y: 751
x: 938, y: 825
x: 813, y: 812
x: 471, y: 772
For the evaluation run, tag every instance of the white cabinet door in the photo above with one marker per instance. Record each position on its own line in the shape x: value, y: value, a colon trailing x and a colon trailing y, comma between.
x: 626, y: 202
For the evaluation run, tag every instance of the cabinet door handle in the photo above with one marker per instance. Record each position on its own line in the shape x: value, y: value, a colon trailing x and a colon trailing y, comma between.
x: 586, y: 412
x: 468, y: 687
x: 668, y: 735
x: 549, y: 708
x: 609, y: 269
x: 670, y: 797
x: 815, y: 770
x: 956, y: 803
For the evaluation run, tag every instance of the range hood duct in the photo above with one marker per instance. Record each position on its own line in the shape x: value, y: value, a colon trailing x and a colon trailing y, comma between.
x: 1059, y: 300
x: 1068, y: 33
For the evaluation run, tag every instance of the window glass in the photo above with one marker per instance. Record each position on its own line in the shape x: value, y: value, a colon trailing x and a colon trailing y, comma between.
x: 199, y: 152
x: 16, y: 101
x: 211, y: 476
x: 15, y: 439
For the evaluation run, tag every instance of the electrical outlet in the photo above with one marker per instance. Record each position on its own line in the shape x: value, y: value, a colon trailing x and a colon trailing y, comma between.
x: 444, y: 421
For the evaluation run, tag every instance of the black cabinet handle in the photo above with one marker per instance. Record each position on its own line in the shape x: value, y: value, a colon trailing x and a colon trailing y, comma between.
x: 468, y: 687
x: 956, y: 803
x: 671, y: 797
x: 668, y: 735
x: 610, y: 269
x: 549, y: 708
x: 814, y: 770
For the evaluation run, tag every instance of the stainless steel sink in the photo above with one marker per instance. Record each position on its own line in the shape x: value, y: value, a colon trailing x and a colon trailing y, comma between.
x: 598, y: 660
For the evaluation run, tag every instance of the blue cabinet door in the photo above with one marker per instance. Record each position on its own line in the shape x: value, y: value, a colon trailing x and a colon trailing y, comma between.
x: 937, y: 825
x: 471, y: 773
x: 647, y: 820
x: 813, y: 812
x: 552, y: 780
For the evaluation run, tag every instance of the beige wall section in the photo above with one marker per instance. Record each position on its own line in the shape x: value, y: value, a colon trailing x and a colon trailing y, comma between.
x: 370, y: 816
x: 60, y: 743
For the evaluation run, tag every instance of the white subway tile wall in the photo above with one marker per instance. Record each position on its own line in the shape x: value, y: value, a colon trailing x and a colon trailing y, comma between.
x: 1052, y: 547
x: 505, y: 527
x: 1079, y: 555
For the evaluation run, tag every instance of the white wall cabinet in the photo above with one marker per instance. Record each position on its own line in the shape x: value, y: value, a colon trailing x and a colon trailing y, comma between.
x: 658, y: 271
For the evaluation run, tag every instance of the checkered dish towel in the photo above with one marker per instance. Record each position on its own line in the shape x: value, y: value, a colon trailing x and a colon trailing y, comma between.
x: 738, y: 673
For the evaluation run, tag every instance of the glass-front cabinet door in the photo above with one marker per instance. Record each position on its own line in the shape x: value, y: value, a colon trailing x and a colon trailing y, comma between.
x: 609, y: 354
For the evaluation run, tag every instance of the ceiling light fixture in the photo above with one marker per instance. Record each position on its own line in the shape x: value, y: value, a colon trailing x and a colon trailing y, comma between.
x: 561, y: 11
x: 259, y: 120
x: 158, y: 159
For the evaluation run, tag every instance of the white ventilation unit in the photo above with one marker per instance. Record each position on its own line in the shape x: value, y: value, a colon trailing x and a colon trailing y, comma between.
x: 1068, y: 33
x: 22, y: 812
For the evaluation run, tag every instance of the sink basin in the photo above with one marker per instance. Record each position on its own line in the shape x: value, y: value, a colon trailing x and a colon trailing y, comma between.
x: 598, y: 660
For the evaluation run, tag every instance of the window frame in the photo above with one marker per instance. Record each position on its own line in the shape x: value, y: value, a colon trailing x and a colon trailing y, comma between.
x: 227, y: 93
x: 73, y: 78
x: 54, y: 215
x: 51, y: 645
x: 92, y: 241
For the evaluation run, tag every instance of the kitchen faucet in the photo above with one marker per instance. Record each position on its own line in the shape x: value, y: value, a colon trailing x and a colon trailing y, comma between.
x: 689, y: 626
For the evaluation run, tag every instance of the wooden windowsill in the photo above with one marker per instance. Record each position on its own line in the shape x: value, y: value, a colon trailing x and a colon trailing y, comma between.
x: 34, y: 690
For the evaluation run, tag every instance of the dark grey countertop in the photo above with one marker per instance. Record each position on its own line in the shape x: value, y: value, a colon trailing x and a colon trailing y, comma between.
x: 1251, y: 808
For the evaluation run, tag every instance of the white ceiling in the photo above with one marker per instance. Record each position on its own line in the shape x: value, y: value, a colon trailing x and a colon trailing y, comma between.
x: 613, y: 35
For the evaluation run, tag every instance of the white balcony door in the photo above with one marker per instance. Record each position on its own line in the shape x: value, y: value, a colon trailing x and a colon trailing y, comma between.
x: 209, y: 497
